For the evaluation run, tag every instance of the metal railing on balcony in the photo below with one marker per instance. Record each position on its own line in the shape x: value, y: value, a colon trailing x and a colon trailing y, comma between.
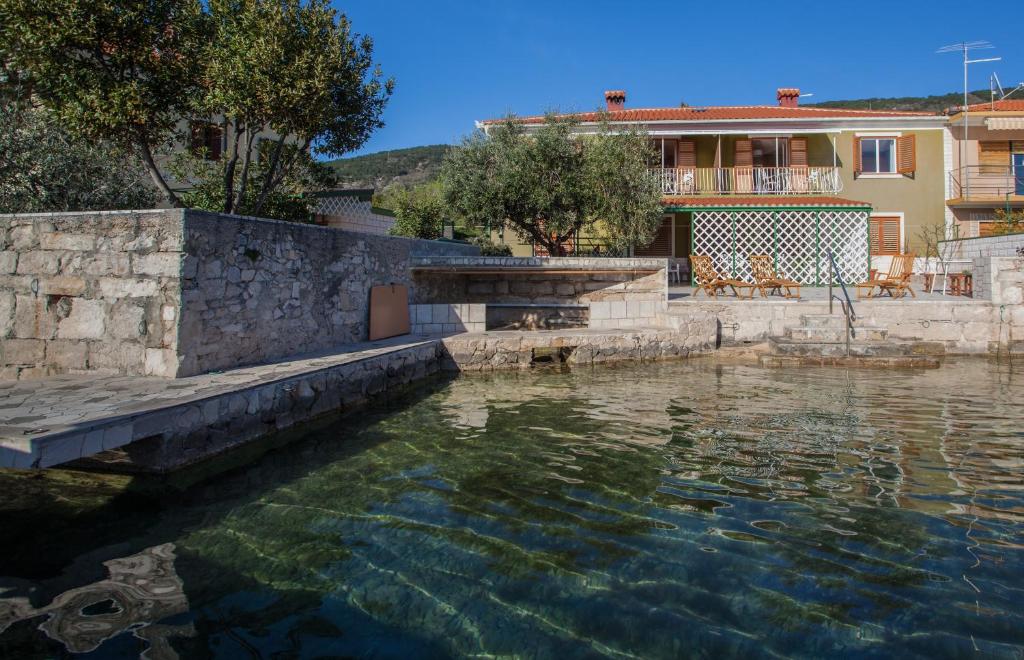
x: 986, y: 182
x: 749, y: 180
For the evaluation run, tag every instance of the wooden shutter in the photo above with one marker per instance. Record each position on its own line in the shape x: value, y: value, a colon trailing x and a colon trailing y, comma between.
x: 687, y: 155
x: 214, y: 140
x: 885, y: 236
x: 994, y: 156
x: 906, y: 154
x: 661, y: 246
x: 798, y: 152
x: 744, y: 154
x: 857, y: 165
x: 197, y: 139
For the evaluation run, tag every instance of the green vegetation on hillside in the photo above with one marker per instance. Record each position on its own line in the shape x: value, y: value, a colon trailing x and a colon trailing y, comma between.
x: 404, y: 167
x: 935, y: 103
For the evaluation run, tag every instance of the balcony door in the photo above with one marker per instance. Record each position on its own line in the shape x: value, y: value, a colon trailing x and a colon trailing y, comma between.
x: 770, y: 154
x: 1018, y: 174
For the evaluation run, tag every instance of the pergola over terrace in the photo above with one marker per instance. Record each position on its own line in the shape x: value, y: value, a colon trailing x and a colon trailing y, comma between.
x: 797, y: 231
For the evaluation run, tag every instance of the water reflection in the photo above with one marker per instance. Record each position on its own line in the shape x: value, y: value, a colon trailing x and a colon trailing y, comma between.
x: 142, y: 591
x: 657, y: 511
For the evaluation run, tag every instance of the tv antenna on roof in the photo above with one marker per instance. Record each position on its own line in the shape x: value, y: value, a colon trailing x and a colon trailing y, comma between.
x: 965, y: 47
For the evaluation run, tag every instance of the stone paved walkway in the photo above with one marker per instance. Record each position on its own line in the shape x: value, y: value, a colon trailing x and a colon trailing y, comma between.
x: 32, y: 409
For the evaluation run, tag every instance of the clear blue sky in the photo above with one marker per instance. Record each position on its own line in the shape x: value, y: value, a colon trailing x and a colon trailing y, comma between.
x: 455, y: 62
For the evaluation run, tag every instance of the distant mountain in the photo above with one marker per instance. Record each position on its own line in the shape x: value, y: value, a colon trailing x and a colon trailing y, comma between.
x: 403, y: 167
x: 908, y: 103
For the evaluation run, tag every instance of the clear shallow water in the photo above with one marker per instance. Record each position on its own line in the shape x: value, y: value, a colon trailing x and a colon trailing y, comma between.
x: 682, y: 509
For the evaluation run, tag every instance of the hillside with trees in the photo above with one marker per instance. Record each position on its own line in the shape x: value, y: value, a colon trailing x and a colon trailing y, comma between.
x: 399, y: 167
x: 934, y: 103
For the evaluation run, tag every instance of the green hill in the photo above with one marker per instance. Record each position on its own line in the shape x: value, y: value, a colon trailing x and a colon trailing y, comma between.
x: 400, y: 166
x: 936, y: 103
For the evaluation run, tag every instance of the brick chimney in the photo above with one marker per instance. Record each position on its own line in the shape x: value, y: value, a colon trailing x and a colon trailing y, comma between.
x: 788, y: 97
x: 615, y: 99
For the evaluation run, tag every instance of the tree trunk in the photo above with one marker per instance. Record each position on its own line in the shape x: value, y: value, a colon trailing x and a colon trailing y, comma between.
x: 229, y: 168
x: 154, y: 173
x: 268, y: 178
x: 243, y: 187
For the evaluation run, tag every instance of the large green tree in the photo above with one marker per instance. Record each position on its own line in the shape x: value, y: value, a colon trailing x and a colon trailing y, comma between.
x: 42, y: 168
x: 130, y: 70
x: 122, y: 71
x: 549, y: 183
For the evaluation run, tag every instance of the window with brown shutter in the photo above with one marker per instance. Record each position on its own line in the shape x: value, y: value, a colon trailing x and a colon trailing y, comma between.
x: 661, y: 246
x: 798, y: 152
x: 885, y: 235
x: 687, y: 153
x: 206, y: 136
x: 857, y: 166
x: 994, y: 156
x: 906, y: 154
x: 744, y: 154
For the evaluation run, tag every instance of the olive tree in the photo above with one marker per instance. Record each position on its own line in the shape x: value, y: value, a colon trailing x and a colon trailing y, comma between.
x: 128, y: 71
x: 550, y: 183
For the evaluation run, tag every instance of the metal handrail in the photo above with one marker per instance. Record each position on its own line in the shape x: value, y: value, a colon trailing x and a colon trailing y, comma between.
x: 847, y: 305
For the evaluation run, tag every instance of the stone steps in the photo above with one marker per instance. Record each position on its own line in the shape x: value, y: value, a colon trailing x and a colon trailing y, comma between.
x: 821, y: 339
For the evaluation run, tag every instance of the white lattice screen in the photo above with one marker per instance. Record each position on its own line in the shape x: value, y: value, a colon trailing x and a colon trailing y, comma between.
x: 798, y: 239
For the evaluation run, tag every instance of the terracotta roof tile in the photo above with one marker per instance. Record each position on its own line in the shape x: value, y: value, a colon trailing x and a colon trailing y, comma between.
x: 761, y: 200
x: 719, y: 112
x: 1006, y: 105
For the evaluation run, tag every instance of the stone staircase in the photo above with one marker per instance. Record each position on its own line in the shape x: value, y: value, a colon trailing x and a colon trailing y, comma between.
x: 821, y: 339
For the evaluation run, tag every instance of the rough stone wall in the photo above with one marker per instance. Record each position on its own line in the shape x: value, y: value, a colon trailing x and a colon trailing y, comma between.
x: 262, y: 290
x: 989, y: 246
x: 89, y: 292
x: 518, y: 350
x: 181, y: 292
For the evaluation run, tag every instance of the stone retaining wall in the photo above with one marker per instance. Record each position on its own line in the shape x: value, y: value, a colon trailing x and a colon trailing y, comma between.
x: 519, y: 350
x: 96, y: 292
x: 181, y: 292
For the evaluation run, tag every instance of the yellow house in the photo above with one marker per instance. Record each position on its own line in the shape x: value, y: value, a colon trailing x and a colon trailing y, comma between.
x: 788, y: 180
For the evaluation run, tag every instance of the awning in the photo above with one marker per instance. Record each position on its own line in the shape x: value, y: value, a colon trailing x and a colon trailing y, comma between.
x: 1005, y: 123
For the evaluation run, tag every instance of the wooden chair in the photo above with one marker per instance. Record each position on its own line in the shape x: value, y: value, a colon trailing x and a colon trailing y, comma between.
x: 707, y: 279
x: 896, y: 282
x: 768, y: 281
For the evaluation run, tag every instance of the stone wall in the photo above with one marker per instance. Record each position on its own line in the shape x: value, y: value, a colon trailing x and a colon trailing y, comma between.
x: 97, y: 292
x: 620, y: 293
x: 262, y: 290
x: 443, y: 319
x: 181, y: 292
x: 989, y: 246
x: 520, y: 350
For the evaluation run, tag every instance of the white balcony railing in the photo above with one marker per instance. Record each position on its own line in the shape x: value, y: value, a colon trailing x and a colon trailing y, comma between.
x: 749, y: 180
x: 986, y: 182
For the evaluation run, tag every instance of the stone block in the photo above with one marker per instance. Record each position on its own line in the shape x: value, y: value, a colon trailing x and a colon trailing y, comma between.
x: 62, y: 286
x: 106, y: 263
x: 632, y: 309
x: 67, y: 354
x: 8, y: 261
x: 478, y: 313
x: 63, y: 241
x: 617, y: 309
x: 159, y: 264
x: 127, y: 321
x: 116, y: 287
x: 23, y: 351
x: 599, y: 311
x: 28, y: 317
x: 38, y: 262
x: 87, y: 320
x: 7, y: 307
x: 160, y: 362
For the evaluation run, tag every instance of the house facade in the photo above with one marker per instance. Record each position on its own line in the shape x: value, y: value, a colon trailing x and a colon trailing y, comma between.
x: 795, y: 182
x: 986, y: 170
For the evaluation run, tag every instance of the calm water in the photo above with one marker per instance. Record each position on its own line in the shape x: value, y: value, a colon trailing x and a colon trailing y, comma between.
x: 685, y: 509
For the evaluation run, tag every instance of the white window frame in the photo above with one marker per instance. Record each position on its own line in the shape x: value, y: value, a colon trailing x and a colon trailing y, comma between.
x: 877, y: 174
